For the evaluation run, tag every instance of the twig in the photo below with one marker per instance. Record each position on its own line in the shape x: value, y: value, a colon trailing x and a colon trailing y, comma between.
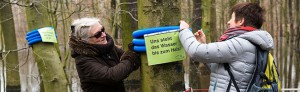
x: 3, y: 5
x: 128, y: 3
x: 7, y: 52
x: 26, y: 58
x: 5, y: 56
x: 56, y: 9
x: 37, y: 10
x: 7, y: 2
x: 40, y: 58
x: 70, y: 15
x: 14, y: 50
x: 6, y: 20
x: 129, y: 14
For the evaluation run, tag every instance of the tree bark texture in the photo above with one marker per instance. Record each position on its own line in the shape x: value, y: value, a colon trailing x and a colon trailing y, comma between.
x: 165, y: 77
x: 50, y: 66
x: 10, y: 43
x: 128, y: 24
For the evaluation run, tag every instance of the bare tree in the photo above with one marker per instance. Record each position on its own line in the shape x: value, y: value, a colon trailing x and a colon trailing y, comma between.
x: 10, y: 44
x: 165, y: 77
x: 128, y: 24
x: 46, y: 55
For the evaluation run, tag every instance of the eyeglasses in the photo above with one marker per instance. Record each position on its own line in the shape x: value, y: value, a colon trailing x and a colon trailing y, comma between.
x: 98, y: 34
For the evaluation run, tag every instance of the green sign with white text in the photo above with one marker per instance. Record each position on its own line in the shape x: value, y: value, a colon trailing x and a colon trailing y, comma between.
x: 164, y: 47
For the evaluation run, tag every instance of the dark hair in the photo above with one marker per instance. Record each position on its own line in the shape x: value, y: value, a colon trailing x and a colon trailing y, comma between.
x: 252, y: 13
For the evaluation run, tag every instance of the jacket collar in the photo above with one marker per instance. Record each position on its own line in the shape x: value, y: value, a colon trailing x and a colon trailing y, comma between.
x: 81, y: 47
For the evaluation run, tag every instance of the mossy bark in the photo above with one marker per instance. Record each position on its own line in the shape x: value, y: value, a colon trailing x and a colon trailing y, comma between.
x: 297, y: 43
x: 10, y: 43
x: 128, y: 24
x: 45, y: 54
x: 165, y: 77
x: 291, y: 43
x: 209, y: 28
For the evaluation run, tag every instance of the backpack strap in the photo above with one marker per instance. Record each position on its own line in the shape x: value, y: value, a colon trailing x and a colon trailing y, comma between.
x: 226, y: 66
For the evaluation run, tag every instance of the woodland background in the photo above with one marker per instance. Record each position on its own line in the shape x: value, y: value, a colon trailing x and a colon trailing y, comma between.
x: 46, y: 67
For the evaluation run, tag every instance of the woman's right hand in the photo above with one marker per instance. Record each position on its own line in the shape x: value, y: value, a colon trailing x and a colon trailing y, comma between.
x: 200, y: 36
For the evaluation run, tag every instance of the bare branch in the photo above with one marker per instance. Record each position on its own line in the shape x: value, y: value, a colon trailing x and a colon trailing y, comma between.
x: 6, y: 20
x: 128, y: 3
x: 72, y: 14
x: 17, y: 3
x: 3, y: 6
x: 56, y: 7
x: 5, y: 55
x: 14, y: 50
x: 37, y: 10
x: 25, y: 59
x: 129, y: 14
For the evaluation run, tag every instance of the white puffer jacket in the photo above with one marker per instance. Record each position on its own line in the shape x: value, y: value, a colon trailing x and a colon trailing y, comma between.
x: 239, y: 52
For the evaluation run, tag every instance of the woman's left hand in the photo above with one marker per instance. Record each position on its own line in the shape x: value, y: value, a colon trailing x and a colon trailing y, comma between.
x: 183, y: 25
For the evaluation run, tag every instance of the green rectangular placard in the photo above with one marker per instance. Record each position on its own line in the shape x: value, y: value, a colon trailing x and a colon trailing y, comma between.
x: 163, y: 47
x: 47, y: 34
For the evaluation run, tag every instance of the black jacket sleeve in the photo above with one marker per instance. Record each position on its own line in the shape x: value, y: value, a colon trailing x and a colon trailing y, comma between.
x: 90, y: 70
x: 119, y: 51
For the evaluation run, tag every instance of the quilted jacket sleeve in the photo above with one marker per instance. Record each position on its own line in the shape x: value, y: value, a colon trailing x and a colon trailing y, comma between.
x: 90, y: 70
x: 217, y: 52
x: 119, y: 51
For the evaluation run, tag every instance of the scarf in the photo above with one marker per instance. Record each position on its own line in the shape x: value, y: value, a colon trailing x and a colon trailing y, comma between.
x: 82, y: 47
x: 235, y: 31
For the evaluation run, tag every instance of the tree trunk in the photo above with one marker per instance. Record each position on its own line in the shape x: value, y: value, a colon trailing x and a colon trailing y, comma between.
x: 128, y: 24
x: 67, y: 61
x: 291, y: 41
x: 196, y: 77
x: 209, y: 20
x: 45, y: 54
x: 165, y: 77
x: 191, y: 13
x: 231, y: 4
x: 209, y: 28
x: 2, y: 78
x: 280, y: 40
x: 115, y: 21
x: 297, y: 56
x: 10, y: 43
x: 285, y: 43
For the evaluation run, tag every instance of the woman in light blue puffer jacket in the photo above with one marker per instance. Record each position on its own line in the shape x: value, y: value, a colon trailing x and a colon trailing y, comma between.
x: 236, y: 47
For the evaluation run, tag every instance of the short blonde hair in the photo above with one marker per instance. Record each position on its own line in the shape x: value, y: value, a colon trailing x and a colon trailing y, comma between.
x: 81, y: 27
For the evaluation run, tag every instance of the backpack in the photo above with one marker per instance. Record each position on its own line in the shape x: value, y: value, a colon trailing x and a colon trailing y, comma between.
x: 265, y: 77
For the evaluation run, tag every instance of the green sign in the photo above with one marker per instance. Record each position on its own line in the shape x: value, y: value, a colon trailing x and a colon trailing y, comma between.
x: 47, y: 34
x: 164, y: 47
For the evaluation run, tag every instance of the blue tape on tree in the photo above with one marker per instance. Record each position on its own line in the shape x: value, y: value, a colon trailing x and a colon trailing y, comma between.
x: 32, y: 38
x: 33, y: 35
x: 35, y: 41
x: 139, y: 42
x: 142, y: 32
x: 139, y: 48
x: 32, y: 32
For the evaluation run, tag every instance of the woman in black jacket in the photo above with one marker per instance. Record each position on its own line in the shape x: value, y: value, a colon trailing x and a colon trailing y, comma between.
x: 101, y: 66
